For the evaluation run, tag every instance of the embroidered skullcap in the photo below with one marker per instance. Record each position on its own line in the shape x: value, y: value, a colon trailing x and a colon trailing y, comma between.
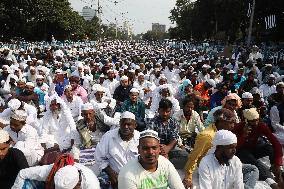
x: 127, y: 115
x: 134, y: 90
x: 66, y: 177
x: 87, y: 106
x: 251, y: 114
x: 19, y: 115
x: 224, y: 138
x: 123, y: 78
x: 149, y: 133
x: 247, y: 95
x: 4, y: 136
x: 14, y: 104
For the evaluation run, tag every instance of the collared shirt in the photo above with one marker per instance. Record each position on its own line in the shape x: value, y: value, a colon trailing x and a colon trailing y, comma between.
x: 74, y: 106
x: 114, y: 152
x: 190, y: 126
x: 167, y: 131
x: 40, y: 173
x: 137, y: 108
x: 213, y: 175
x: 202, y: 145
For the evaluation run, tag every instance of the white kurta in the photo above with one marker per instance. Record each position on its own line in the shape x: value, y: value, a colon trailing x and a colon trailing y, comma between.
x: 27, y: 141
x: 212, y: 175
x: 74, y: 106
x: 114, y: 152
x: 40, y: 173
x: 111, y: 85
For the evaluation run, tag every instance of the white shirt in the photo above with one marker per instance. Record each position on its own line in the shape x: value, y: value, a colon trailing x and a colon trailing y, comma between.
x: 203, y: 78
x: 74, y: 106
x: 275, y: 120
x: 267, y: 90
x: 111, y: 85
x: 134, y: 176
x: 102, y: 105
x: 212, y: 175
x: 114, y: 152
x: 40, y: 173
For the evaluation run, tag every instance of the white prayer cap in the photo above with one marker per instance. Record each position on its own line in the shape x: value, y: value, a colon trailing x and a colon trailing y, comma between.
x: 123, y: 78
x: 227, y: 59
x: 19, y: 115
x: 171, y: 62
x: 32, y: 68
x: 224, y: 138
x: 58, y: 71
x: 131, y: 71
x: 102, y: 75
x: 30, y: 84
x: 251, y: 114
x: 140, y: 74
x: 75, y: 74
x: 280, y: 83
x: 268, y: 65
x: 213, y: 71
x: 247, y: 95
x: 87, y: 106
x: 149, y: 133
x: 206, y: 66
x: 12, y: 76
x: 231, y: 72
x: 134, y: 90
x: 110, y: 71
x: 125, y: 67
x: 272, y: 76
x: 127, y: 115
x: 4, y: 136
x: 211, y: 82
x: 66, y: 177
x: 14, y: 104
x: 39, y: 77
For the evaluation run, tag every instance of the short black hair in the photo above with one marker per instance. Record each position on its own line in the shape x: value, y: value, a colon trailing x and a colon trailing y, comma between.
x: 165, y: 104
x: 187, y: 100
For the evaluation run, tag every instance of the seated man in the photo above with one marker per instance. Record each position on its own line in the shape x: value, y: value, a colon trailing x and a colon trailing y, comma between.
x: 77, y: 89
x: 58, y: 126
x: 224, y: 119
x: 189, y: 122
x: 12, y: 161
x: 166, y: 126
x: 277, y: 120
x: 25, y: 137
x: 144, y: 172
x: 212, y: 173
x: 29, y: 96
x: 73, y: 102
x: 63, y: 174
x: 121, y: 93
x: 250, y: 149
x: 136, y: 106
x: 117, y: 147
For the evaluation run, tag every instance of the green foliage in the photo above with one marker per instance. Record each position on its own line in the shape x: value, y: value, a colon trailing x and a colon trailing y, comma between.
x: 207, y: 19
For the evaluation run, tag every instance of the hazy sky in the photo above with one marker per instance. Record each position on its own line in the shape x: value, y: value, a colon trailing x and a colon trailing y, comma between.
x: 140, y: 13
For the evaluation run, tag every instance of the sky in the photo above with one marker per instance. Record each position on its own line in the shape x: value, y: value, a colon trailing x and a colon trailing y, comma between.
x: 139, y: 13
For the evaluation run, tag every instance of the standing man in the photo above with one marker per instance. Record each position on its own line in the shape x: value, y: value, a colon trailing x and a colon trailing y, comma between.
x: 144, y: 172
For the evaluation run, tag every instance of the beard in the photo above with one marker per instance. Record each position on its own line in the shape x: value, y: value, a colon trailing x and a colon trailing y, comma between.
x: 226, y: 159
x: 56, y: 113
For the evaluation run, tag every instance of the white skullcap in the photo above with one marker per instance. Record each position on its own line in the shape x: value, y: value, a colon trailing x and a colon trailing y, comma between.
x: 123, y: 78
x: 19, y: 115
x: 102, y: 75
x: 224, y: 137
x: 99, y: 88
x: 4, y: 136
x: 251, y: 114
x: 39, y: 77
x: 14, y: 104
x: 131, y: 71
x: 213, y: 71
x: 58, y: 71
x: 272, y: 76
x: 87, y: 106
x: 66, y: 177
x: 127, y: 115
x: 134, y: 90
x: 140, y: 74
x: 206, y: 66
x: 280, y: 83
x: 149, y: 133
x: 30, y: 84
x: 247, y: 95
x: 211, y: 82
x: 231, y: 72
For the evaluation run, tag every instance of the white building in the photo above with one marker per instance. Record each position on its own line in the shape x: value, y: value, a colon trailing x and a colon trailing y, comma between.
x: 88, y: 13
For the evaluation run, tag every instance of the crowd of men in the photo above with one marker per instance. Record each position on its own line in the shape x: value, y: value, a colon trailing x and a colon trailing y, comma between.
x: 140, y: 115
